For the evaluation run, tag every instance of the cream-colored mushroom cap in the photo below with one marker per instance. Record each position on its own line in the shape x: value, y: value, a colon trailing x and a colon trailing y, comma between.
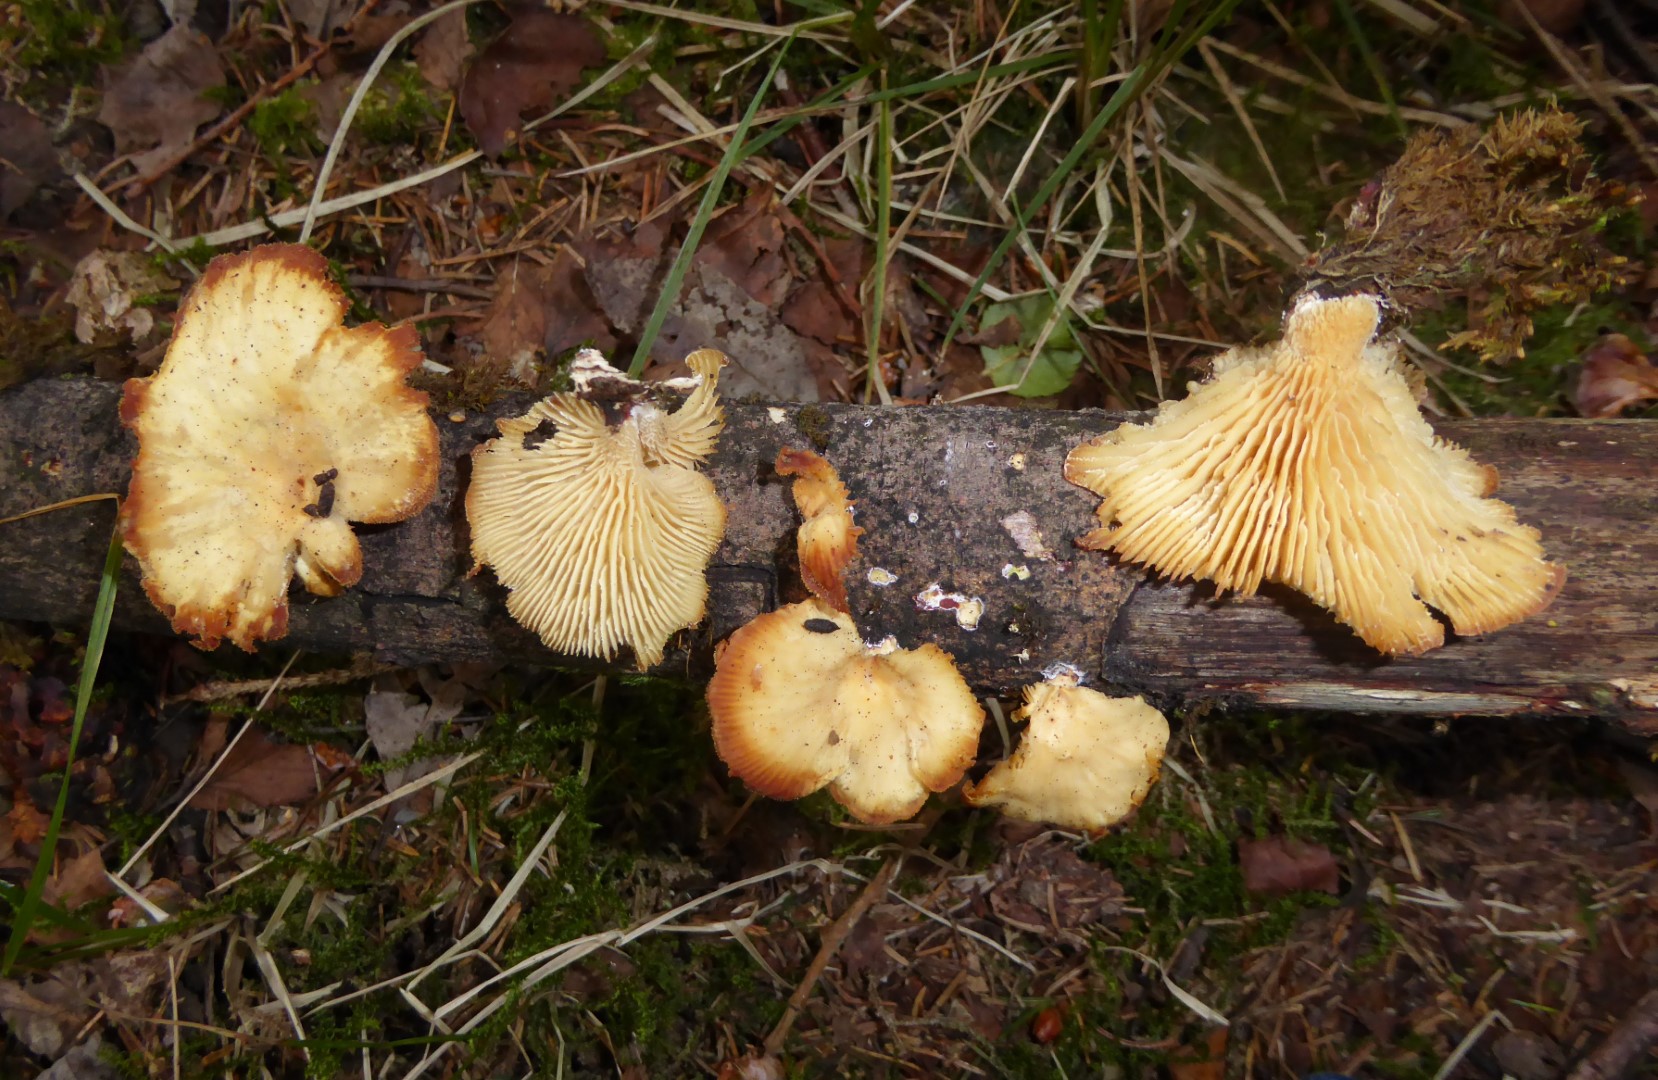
x: 827, y: 540
x: 602, y: 532
x: 1307, y: 463
x: 799, y: 702
x: 1085, y: 762
x: 268, y: 428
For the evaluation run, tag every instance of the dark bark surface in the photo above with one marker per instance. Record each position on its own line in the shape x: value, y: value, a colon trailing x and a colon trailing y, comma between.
x: 933, y: 487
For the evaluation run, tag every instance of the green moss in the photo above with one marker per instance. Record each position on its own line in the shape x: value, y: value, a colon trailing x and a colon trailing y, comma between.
x: 813, y: 422
x: 282, y: 125
x: 397, y: 108
x: 1538, y: 383
x: 63, y: 43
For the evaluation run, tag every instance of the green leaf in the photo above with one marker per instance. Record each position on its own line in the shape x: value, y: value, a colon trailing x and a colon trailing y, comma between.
x: 1054, y: 366
x: 1051, y: 373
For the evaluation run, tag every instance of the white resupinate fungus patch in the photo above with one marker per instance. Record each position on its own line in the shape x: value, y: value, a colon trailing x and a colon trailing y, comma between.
x: 968, y: 610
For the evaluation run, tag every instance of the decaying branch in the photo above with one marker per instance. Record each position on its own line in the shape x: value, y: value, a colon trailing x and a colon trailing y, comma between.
x: 972, y: 501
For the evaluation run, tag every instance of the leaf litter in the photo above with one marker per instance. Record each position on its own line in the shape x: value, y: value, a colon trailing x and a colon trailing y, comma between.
x: 538, y: 59
x: 154, y: 104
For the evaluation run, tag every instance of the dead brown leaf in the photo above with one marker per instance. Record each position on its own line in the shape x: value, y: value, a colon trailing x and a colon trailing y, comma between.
x: 104, y: 291
x: 573, y: 316
x: 539, y: 59
x: 746, y: 245
x: 1279, y: 865
x: 767, y: 358
x: 78, y: 880
x: 515, y: 327
x: 1614, y: 376
x: 47, y: 1012
x: 156, y: 99
x: 25, y: 823
x: 442, y: 51
x: 259, y: 771
x: 27, y: 159
x: 1203, y: 1062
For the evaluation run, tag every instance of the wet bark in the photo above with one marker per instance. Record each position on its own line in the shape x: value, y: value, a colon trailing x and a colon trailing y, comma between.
x: 934, y: 487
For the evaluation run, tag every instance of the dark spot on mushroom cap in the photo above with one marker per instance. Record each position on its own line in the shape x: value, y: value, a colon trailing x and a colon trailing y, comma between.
x: 539, y: 434
x: 821, y: 626
x: 834, y: 738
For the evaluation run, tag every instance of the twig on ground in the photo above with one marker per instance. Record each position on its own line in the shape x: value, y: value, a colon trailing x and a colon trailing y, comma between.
x: 1632, y: 1040
x: 221, y: 689
x: 832, y: 938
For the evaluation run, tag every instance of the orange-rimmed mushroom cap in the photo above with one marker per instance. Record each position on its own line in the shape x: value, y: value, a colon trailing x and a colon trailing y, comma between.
x: 827, y: 540
x: 1308, y: 463
x: 1085, y: 761
x: 603, y: 531
x: 800, y: 702
x: 269, y: 427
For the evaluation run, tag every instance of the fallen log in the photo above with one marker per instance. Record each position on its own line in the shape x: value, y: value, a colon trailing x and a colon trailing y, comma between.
x: 938, y: 491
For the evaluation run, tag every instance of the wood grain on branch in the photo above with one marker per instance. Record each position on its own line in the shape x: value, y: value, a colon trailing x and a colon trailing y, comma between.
x: 933, y: 487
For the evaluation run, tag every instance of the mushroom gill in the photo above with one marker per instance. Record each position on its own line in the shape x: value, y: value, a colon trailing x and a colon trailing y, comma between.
x: 602, y: 532
x: 1307, y: 462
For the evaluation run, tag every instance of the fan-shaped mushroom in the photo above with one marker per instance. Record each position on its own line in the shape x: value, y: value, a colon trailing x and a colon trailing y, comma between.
x: 268, y: 428
x: 799, y: 702
x: 1308, y: 463
x: 827, y: 540
x: 602, y: 532
x: 1085, y: 761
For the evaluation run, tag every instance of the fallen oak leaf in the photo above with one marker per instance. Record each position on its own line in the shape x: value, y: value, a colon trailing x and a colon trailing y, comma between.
x: 78, y: 880
x: 442, y: 51
x: 539, y: 58
x: 259, y: 771
x: 1279, y: 865
x: 154, y: 103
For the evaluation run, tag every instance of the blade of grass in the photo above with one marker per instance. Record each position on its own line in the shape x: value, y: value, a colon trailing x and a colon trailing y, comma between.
x: 1127, y: 91
x: 876, y: 306
x: 1372, y: 64
x: 102, y: 611
x: 705, y: 211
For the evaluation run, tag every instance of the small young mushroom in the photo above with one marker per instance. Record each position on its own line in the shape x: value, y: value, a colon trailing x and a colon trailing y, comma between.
x: 799, y: 701
x: 827, y: 540
x: 602, y: 532
x: 1308, y: 463
x: 1085, y: 762
x: 267, y: 429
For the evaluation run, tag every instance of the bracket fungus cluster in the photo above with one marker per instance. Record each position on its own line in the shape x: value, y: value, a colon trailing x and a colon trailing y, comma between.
x: 267, y: 429
x: 1085, y: 761
x: 800, y: 702
x: 603, y: 530
x: 1308, y: 463
x: 827, y: 540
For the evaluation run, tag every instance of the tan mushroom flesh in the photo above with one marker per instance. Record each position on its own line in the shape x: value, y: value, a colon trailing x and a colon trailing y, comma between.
x: 602, y: 532
x: 1308, y: 463
x: 827, y: 539
x: 1085, y: 762
x: 267, y: 429
x: 800, y: 702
